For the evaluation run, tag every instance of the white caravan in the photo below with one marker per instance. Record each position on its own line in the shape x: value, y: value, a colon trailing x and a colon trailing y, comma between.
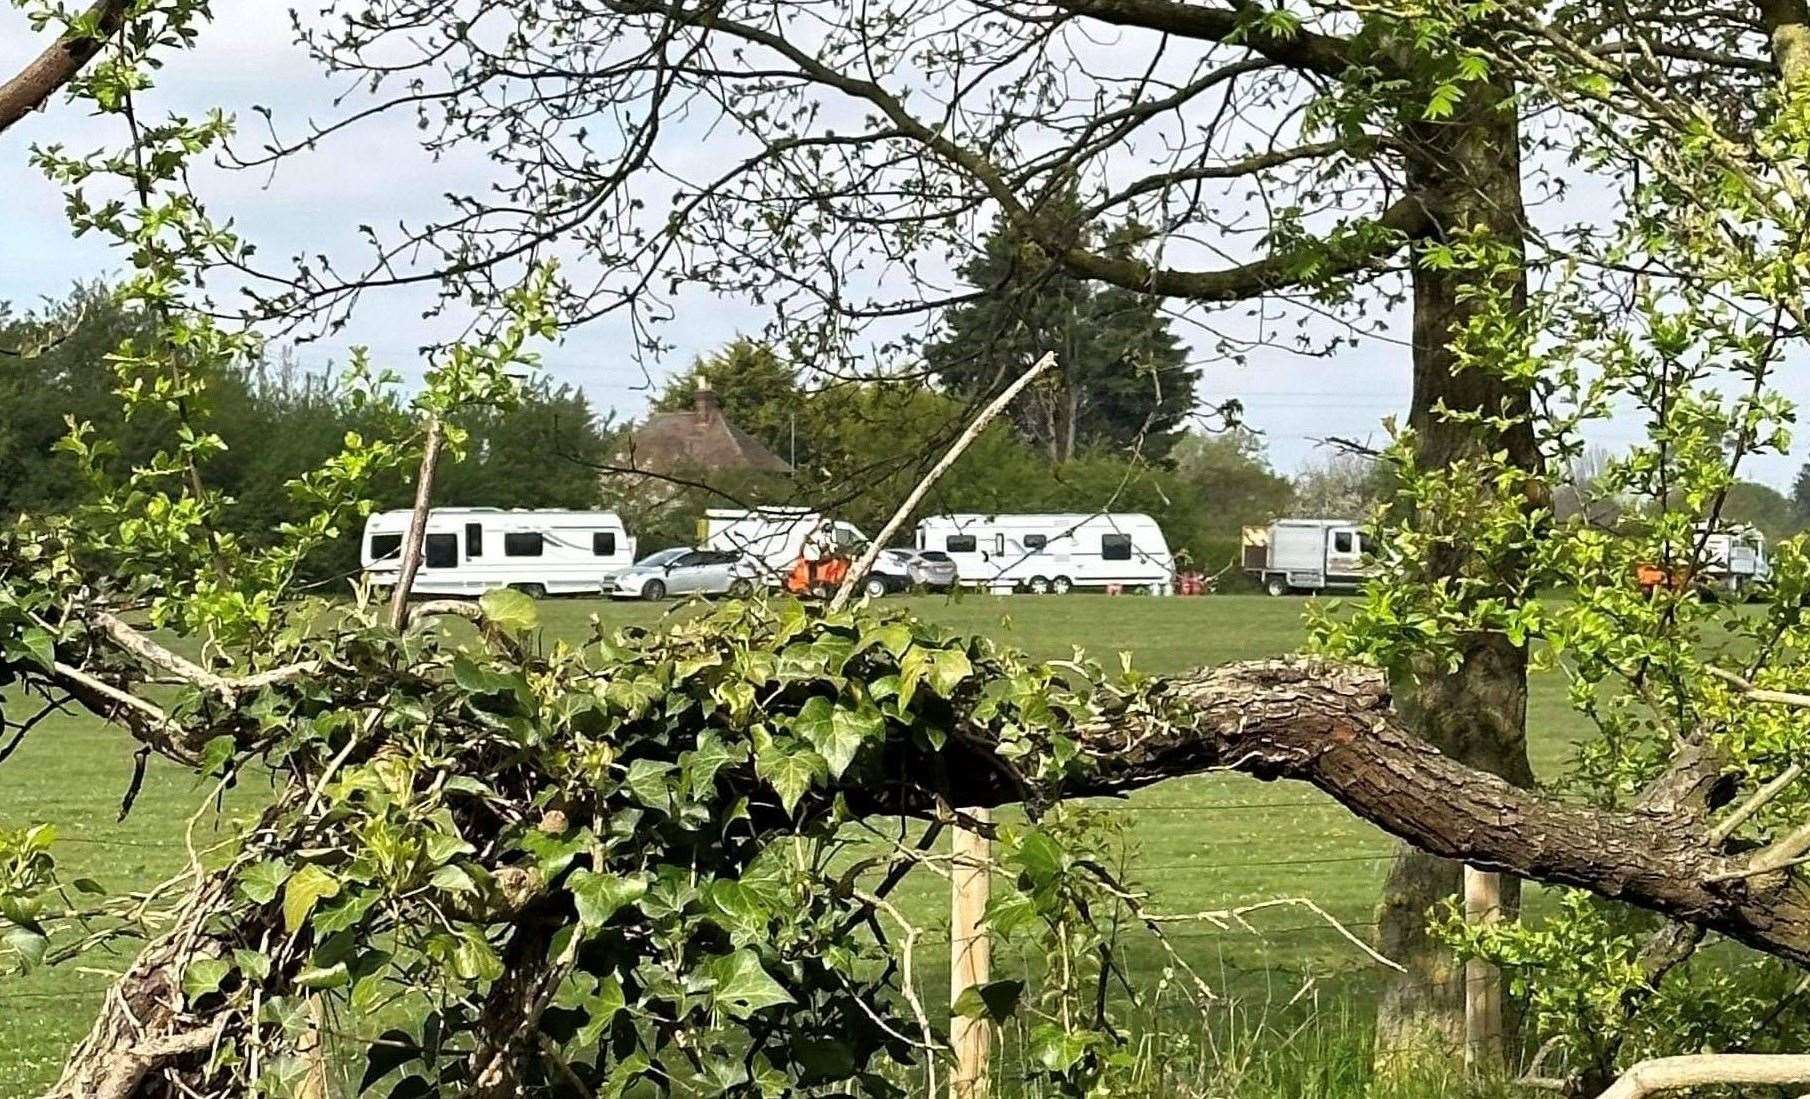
x: 468, y: 551
x: 772, y: 538
x: 1306, y: 555
x: 1053, y: 553
x: 1734, y: 557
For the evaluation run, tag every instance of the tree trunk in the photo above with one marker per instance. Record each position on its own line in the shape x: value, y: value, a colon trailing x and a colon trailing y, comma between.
x: 144, y: 1029
x: 1468, y: 173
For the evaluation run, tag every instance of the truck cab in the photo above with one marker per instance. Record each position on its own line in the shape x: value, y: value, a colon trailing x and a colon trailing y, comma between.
x: 1306, y: 555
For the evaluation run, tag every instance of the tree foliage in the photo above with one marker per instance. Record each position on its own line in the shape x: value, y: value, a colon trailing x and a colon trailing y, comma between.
x: 1123, y: 382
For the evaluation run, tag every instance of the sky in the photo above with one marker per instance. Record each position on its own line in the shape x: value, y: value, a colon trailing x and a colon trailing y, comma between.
x: 378, y: 175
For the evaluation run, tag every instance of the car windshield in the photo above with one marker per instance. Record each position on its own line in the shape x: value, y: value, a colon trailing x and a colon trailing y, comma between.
x: 934, y: 555
x: 664, y: 557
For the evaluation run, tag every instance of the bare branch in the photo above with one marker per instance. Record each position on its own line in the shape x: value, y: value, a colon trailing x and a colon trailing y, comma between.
x: 916, y: 496
x: 1707, y: 1070
x: 417, y: 535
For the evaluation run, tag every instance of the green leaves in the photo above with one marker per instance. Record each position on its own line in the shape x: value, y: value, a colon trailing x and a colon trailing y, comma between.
x: 261, y: 881
x: 203, y: 975
x: 790, y: 771
x: 995, y: 1001
x: 601, y: 895
x: 509, y: 610
x: 743, y: 986
x: 838, y: 732
x: 307, y: 888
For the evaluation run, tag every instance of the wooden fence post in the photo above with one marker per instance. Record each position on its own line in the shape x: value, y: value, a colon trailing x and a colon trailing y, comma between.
x: 970, y: 954
x: 1482, y: 980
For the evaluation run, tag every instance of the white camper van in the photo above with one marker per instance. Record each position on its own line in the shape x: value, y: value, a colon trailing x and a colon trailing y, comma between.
x: 772, y: 537
x: 1734, y: 558
x: 1053, y: 553
x: 1306, y: 555
x: 468, y: 551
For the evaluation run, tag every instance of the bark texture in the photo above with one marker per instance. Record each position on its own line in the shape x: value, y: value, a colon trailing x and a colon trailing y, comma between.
x: 143, y: 1034
x: 33, y: 85
x: 1467, y: 172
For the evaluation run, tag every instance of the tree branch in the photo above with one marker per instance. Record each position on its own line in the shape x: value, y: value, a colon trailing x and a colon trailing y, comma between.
x: 1708, y: 1069
x: 1331, y: 726
x: 986, y: 416
x: 1238, y: 23
x: 57, y: 66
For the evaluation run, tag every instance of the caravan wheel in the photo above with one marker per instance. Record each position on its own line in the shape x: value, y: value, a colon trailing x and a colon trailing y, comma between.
x: 1039, y: 585
x: 532, y: 591
x: 741, y: 588
x: 1062, y: 585
x: 1277, y: 585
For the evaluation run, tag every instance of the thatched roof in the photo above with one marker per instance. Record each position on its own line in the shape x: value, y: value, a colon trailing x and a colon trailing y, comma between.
x: 697, y: 440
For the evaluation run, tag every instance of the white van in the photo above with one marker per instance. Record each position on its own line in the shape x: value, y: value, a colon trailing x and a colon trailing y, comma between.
x: 468, y: 551
x: 771, y: 537
x: 1306, y: 555
x: 1734, y: 558
x: 1053, y: 553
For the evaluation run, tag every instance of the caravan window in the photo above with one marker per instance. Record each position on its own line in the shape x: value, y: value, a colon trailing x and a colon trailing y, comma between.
x: 385, y: 546
x: 522, y: 544
x: 474, y: 540
x: 999, y: 544
x: 603, y: 543
x: 1115, y: 547
x: 1341, y: 542
x: 1036, y: 541
x: 442, y: 551
x: 959, y: 543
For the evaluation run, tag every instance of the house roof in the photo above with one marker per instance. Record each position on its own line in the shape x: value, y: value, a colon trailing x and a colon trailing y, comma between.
x: 699, y: 438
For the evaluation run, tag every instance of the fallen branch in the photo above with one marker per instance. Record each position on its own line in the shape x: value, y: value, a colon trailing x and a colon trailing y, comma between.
x: 1700, y: 1070
x: 858, y: 572
x: 417, y: 533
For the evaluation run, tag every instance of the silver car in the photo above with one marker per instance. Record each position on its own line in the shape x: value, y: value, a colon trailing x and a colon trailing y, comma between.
x: 906, y: 569
x: 684, y: 571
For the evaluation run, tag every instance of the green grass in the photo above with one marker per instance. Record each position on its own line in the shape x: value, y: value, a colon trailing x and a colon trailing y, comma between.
x: 1204, y: 843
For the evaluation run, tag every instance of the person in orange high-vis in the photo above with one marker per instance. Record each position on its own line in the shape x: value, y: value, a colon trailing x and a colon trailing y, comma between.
x: 819, y: 568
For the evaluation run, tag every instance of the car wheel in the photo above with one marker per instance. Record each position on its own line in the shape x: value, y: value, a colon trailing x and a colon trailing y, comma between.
x: 532, y: 591
x: 1039, y: 585
x: 875, y: 587
x: 741, y: 589
x: 1277, y: 585
x: 1062, y: 585
x: 653, y: 591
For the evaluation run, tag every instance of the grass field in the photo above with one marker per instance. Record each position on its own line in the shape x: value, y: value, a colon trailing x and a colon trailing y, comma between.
x: 1205, y: 843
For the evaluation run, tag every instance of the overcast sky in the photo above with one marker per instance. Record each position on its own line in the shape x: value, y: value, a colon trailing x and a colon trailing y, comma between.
x: 378, y: 175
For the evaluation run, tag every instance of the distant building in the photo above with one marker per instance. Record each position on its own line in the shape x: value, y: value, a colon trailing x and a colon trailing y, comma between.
x: 675, y: 464
x: 699, y: 440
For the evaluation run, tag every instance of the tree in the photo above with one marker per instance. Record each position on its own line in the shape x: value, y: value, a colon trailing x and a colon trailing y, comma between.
x: 1761, y: 506
x: 1389, y: 142
x: 1231, y: 474
x: 1124, y: 381
x: 1342, y: 486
